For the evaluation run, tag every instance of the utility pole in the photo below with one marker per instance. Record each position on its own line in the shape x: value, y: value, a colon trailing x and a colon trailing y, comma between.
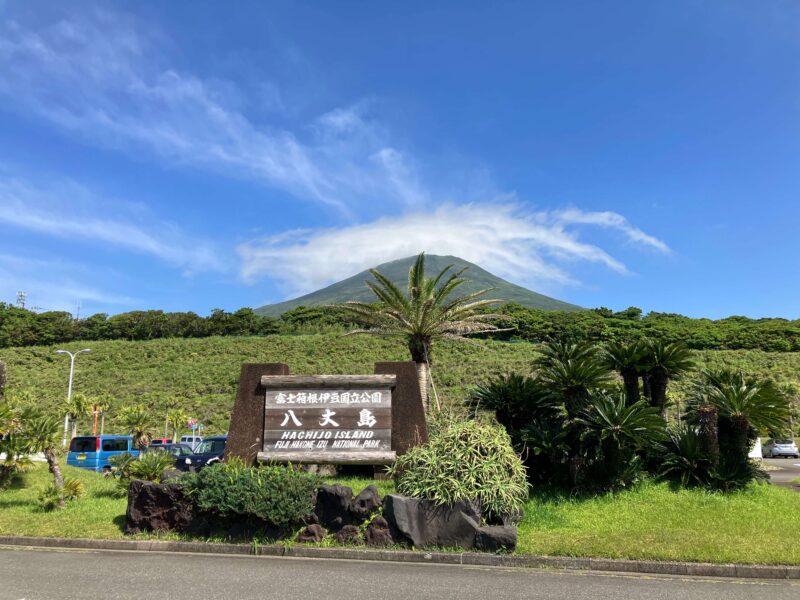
x: 72, y: 356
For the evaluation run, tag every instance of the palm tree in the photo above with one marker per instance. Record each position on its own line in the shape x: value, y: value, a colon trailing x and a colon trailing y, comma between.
x: 137, y: 422
x: 662, y: 362
x: 423, y: 313
x: 9, y: 420
x: 744, y: 405
x: 626, y: 359
x: 2, y: 381
x: 176, y: 419
x: 78, y: 406
x: 42, y: 434
x: 572, y: 371
x: 99, y: 407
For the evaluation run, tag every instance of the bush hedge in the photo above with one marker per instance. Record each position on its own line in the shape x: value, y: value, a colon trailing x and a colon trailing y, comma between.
x: 280, y: 496
x: 467, y: 460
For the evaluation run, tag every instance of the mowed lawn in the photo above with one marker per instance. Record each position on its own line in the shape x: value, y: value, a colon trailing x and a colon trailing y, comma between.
x: 759, y: 525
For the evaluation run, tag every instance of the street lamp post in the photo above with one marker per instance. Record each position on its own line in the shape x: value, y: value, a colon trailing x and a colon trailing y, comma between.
x: 72, y: 356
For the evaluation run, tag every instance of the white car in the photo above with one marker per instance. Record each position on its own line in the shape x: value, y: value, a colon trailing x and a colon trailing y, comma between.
x: 192, y: 440
x: 776, y: 448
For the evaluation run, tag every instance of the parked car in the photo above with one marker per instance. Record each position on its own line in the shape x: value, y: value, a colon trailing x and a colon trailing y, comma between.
x: 776, y: 448
x: 177, y: 450
x: 192, y: 440
x: 94, y: 451
x: 160, y: 441
x: 207, y: 453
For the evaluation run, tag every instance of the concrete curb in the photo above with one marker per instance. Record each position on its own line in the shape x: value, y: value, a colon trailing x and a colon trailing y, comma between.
x: 444, y: 558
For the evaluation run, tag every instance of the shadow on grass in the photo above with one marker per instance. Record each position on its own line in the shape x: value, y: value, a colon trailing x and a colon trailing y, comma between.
x: 119, y: 521
x: 13, y: 503
x: 106, y: 494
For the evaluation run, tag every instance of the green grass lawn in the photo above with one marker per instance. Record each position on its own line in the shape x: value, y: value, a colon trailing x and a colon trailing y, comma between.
x: 758, y: 525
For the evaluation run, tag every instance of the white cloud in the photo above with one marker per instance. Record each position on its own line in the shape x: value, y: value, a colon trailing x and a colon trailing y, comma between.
x: 107, y: 79
x: 67, y: 210
x: 613, y: 221
x: 526, y: 247
x: 53, y: 284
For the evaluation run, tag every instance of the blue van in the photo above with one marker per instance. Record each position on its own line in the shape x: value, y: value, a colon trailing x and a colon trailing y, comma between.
x: 94, y: 451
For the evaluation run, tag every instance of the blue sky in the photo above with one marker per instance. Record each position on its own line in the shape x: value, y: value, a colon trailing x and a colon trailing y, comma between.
x: 193, y: 155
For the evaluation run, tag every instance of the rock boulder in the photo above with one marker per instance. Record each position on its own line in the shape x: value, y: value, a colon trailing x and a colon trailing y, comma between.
x: 494, y: 538
x: 157, y: 507
x: 378, y: 534
x: 333, y: 506
x: 424, y: 523
x: 365, y: 504
x: 311, y: 533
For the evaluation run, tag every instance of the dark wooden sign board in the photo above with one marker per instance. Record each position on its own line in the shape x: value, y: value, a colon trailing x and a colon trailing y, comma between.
x: 340, y: 419
x: 252, y: 421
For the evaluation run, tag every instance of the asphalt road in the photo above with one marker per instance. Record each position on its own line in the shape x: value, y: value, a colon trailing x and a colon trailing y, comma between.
x: 789, y: 470
x: 33, y: 574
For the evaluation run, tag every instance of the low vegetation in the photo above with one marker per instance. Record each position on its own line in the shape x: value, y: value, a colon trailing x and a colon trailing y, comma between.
x: 465, y: 461
x: 198, y: 376
x: 278, y: 496
x: 755, y: 525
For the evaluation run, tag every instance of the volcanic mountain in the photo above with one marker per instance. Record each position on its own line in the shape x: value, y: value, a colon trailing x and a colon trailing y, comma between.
x: 353, y: 288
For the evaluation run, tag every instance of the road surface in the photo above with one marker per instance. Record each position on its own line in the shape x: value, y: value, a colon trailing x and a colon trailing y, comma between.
x: 788, y: 471
x: 34, y: 574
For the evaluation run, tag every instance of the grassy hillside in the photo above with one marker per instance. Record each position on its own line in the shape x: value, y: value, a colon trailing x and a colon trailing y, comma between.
x: 353, y: 288
x: 200, y: 375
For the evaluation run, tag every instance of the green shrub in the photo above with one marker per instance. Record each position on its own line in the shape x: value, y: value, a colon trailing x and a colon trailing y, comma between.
x: 50, y: 497
x: 121, y: 465
x: 151, y: 466
x: 281, y: 496
x: 683, y: 461
x: 466, y: 461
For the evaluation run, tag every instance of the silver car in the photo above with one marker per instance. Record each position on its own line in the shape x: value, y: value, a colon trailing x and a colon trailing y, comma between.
x: 776, y: 448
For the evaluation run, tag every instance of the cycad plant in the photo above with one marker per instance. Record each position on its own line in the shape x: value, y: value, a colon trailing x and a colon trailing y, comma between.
x: 515, y: 400
x: 572, y: 372
x: 685, y: 461
x: 626, y: 359
x: 744, y: 406
x: 425, y: 311
x: 662, y: 362
x: 613, y: 433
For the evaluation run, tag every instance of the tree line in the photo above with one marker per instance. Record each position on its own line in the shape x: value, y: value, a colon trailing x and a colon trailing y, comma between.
x: 21, y: 327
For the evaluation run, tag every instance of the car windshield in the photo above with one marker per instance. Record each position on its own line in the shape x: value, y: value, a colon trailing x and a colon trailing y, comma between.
x: 211, y: 447
x: 784, y: 442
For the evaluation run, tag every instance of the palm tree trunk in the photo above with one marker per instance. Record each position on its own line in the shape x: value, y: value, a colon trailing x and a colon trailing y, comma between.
x: 58, y: 478
x: 658, y: 391
x: 630, y: 378
x: 646, y: 386
x: 740, y: 427
x: 423, y: 376
x: 709, y: 431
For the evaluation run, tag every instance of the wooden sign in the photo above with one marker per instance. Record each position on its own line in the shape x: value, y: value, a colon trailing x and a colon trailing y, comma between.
x: 342, y: 419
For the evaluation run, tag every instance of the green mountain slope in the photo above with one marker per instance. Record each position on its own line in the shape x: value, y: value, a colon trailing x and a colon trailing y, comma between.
x: 200, y: 375
x: 353, y: 288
